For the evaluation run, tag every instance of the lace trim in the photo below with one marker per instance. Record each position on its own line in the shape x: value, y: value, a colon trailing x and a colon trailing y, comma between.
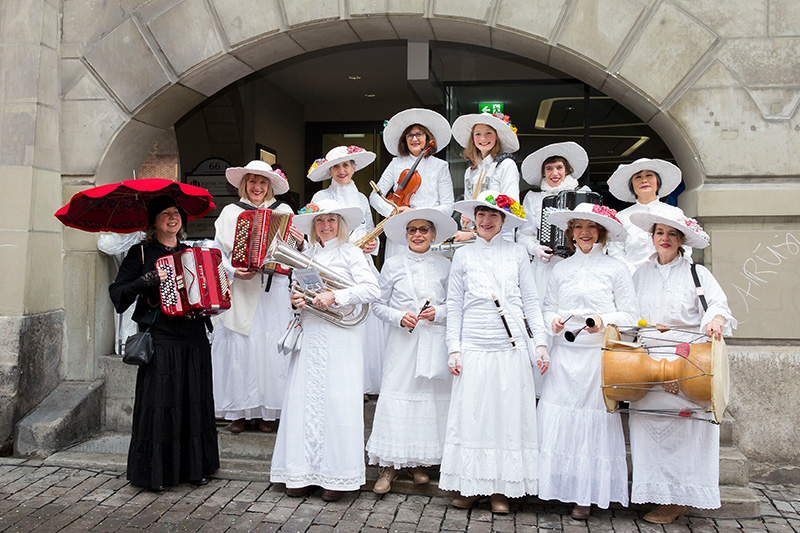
x: 294, y: 481
x: 480, y: 487
x: 398, y: 463
x: 315, y: 388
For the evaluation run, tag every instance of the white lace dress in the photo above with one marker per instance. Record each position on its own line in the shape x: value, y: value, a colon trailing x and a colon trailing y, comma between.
x: 491, y: 443
x: 411, y: 415
x: 375, y: 341
x: 675, y: 460
x: 582, y: 449
x: 321, y: 435
x: 249, y: 374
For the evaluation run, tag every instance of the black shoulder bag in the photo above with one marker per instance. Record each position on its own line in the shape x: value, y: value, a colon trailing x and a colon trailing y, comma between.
x: 139, y: 346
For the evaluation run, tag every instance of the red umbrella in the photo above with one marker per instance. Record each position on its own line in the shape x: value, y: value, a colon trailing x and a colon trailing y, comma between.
x: 122, y: 207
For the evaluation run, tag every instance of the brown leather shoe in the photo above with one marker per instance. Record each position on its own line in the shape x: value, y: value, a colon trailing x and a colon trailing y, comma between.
x: 581, y: 512
x: 465, y: 502
x: 298, y: 492
x: 384, y: 482
x: 420, y: 476
x: 266, y: 426
x: 665, y: 514
x: 499, y: 504
x: 238, y: 425
x: 330, y: 495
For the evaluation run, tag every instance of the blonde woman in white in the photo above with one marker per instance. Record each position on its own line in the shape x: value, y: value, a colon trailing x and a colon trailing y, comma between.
x: 249, y: 373
x: 489, y: 142
x: 643, y: 182
x: 491, y: 444
x: 675, y: 459
x: 339, y: 165
x: 582, y: 448
x: 320, y: 439
x: 406, y: 136
x: 411, y: 416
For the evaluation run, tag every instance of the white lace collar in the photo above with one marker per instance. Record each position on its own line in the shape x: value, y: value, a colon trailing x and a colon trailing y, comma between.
x: 569, y: 184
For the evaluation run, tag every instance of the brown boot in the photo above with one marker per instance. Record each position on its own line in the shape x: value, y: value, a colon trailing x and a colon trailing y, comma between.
x: 420, y: 476
x: 299, y: 492
x: 499, y: 504
x: 384, y: 483
x: 330, y: 495
x: 238, y: 425
x: 465, y: 502
x: 266, y: 426
x: 665, y: 514
x: 581, y: 512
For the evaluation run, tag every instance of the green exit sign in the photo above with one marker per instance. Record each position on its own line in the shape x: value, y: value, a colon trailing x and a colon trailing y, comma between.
x: 490, y: 107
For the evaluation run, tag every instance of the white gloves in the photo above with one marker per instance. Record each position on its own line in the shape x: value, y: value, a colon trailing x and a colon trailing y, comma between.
x: 542, y: 253
x: 542, y: 359
x: 454, y: 362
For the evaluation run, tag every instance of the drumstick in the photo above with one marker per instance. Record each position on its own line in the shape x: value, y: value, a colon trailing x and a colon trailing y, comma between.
x: 424, y: 307
x: 478, y: 185
x: 570, y: 335
x: 503, y: 317
x: 664, y: 327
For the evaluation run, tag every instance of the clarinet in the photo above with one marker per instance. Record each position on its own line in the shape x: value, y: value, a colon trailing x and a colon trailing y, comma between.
x: 505, y: 322
x: 424, y: 307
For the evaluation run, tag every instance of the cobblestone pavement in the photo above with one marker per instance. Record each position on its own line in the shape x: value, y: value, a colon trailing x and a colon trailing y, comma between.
x: 41, y: 498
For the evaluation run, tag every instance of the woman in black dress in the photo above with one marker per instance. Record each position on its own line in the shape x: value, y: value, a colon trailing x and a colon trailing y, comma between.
x: 174, y: 436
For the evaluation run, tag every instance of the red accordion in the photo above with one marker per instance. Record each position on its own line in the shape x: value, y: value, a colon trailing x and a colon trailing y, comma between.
x: 255, y: 231
x: 196, y: 285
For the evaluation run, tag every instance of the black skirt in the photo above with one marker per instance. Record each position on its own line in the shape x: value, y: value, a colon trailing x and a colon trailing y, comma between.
x: 174, y: 437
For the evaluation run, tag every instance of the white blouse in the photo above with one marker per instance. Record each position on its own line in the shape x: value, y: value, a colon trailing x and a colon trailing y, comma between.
x: 435, y: 191
x: 590, y: 284
x: 502, y: 177
x: 638, y: 247
x: 348, y: 196
x: 480, y: 270
x: 349, y: 262
x: 667, y: 295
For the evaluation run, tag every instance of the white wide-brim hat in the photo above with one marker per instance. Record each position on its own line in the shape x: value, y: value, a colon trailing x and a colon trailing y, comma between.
x: 489, y: 199
x: 279, y: 182
x: 395, y: 227
x: 436, y: 124
x: 462, y: 130
x: 601, y: 214
x: 696, y: 237
x: 320, y: 169
x: 618, y: 182
x: 353, y: 216
x: 573, y: 152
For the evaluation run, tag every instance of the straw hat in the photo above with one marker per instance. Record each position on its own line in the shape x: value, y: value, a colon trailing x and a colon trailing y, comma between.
x: 691, y: 229
x: 601, y: 214
x: 395, y: 227
x: 515, y: 215
x: 436, y: 123
x: 572, y: 152
x: 320, y: 170
x: 303, y: 221
x: 506, y: 132
x: 277, y: 178
x: 618, y: 182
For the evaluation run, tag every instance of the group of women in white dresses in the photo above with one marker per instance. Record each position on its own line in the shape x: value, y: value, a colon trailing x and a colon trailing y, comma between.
x: 458, y: 344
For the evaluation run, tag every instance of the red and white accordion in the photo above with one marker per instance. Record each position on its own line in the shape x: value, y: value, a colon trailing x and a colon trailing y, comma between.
x: 196, y: 285
x: 255, y: 231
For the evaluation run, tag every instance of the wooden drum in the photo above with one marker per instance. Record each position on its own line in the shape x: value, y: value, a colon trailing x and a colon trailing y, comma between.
x: 700, y: 373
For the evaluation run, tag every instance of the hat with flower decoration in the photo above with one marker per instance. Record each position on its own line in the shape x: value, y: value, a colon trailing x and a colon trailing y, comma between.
x: 696, y: 237
x: 320, y: 169
x: 280, y: 184
x: 601, y: 214
x: 304, y: 219
x: 506, y: 131
x: 515, y: 214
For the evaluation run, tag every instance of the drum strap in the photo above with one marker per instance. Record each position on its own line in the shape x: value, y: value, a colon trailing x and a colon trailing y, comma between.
x: 700, y: 292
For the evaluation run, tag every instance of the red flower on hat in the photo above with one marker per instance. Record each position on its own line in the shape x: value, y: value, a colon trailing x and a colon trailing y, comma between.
x: 503, y: 200
x: 606, y: 212
x: 354, y: 149
x: 280, y: 173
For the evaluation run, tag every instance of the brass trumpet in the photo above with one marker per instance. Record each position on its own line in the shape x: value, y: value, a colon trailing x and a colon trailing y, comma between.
x: 345, y: 316
x: 378, y: 229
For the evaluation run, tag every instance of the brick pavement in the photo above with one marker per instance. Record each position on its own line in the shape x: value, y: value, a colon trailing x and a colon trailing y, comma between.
x: 41, y: 498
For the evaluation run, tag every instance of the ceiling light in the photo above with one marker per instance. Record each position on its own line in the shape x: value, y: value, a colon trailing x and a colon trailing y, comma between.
x: 369, y: 95
x: 354, y: 77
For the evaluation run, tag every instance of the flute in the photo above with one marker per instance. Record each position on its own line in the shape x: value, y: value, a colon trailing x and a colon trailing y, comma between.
x: 424, y: 307
x: 505, y: 322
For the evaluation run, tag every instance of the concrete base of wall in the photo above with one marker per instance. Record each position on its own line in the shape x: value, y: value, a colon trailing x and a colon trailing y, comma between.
x: 70, y: 414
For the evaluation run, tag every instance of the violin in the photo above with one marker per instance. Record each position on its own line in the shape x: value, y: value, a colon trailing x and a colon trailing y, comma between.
x: 410, y: 180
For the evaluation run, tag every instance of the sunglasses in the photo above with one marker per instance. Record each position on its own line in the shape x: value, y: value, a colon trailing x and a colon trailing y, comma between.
x: 422, y: 229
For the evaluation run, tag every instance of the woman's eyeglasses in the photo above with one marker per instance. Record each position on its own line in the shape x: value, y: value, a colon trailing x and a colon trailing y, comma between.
x: 419, y: 135
x: 410, y: 230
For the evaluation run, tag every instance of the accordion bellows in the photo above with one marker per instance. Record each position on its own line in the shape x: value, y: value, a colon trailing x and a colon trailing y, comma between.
x: 255, y: 231
x: 196, y: 285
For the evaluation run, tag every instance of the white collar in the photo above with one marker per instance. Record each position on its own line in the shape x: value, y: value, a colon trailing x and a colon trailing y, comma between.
x: 267, y: 202
x: 597, y: 249
x: 418, y: 257
x: 494, y: 241
x: 569, y: 184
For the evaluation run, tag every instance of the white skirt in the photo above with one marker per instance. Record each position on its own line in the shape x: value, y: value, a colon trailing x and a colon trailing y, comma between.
x: 411, y: 415
x: 491, y: 445
x: 374, y: 347
x: 248, y: 372
x: 675, y: 460
x: 582, y: 448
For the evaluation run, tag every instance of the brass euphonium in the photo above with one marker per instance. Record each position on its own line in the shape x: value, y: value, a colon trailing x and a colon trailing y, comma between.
x: 378, y: 229
x: 344, y: 316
